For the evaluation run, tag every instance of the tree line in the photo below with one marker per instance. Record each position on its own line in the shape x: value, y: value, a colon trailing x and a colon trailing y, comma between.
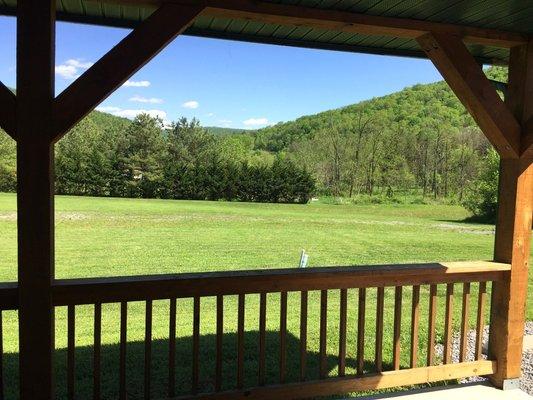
x: 416, y: 141
x: 145, y: 160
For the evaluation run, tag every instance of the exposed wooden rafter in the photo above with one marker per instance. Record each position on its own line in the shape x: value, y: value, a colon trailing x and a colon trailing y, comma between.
x: 8, y: 107
x: 466, y: 78
x: 119, y: 64
x: 341, y: 21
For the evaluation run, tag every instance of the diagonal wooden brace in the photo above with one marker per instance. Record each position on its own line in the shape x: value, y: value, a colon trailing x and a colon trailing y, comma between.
x: 465, y: 77
x: 119, y: 64
x: 8, y: 107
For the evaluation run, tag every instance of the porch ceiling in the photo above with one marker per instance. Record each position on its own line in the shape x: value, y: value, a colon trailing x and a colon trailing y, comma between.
x: 506, y: 15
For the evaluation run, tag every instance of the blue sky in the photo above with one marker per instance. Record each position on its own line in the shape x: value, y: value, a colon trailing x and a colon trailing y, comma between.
x: 225, y: 83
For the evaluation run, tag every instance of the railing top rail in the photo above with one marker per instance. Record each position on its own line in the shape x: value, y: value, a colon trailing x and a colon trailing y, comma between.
x: 9, y: 296
x: 152, y: 287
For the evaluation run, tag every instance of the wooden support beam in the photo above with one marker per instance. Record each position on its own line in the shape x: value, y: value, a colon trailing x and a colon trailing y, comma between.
x: 341, y: 21
x: 513, y: 232
x: 35, y: 195
x: 120, y: 63
x: 527, y: 140
x: 8, y: 107
x: 465, y: 77
x: 524, y: 58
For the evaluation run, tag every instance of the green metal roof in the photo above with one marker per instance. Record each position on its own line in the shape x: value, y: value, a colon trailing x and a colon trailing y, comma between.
x: 507, y: 15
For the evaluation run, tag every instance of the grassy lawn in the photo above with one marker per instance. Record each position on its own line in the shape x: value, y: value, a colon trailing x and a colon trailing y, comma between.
x: 106, y: 237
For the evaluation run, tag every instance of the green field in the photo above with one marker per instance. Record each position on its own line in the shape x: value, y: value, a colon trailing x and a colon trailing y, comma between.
x: 106, y: 237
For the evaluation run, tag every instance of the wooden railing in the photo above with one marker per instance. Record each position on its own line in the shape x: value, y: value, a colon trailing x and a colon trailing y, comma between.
x: 370, y: 370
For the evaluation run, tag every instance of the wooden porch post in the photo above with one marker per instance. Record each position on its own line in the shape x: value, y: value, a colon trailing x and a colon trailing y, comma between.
x: 506, y: 126
x: 35, y: 200
x: 513, y: 230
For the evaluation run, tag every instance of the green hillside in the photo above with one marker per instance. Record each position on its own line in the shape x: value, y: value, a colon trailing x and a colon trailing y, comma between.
x: 217, y: 130
x: 419, y: 141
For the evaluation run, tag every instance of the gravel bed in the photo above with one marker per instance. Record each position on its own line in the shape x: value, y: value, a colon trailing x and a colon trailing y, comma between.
x: 526, y: 381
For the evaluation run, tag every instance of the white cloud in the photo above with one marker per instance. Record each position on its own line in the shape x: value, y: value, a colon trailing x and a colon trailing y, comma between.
x: 141, y: 99
x: 71, y: 69
x: 210, y: 114
x: 129, y: 83
x: 256, y: 122
x: 191, y: 104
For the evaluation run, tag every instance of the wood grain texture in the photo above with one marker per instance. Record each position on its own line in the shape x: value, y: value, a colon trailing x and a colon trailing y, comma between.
x: 380, y: 308
x: 35, y: 196
x: 342, y: 331
x: 480, y: 324
x: 396, y: 340
x: 141, y: 288
x: 513, y: 231
x: 283, y: 337
x: 262, y: 337
x: 465, y: 316
x: 303, y: 334
x: 323, y: 355
x: 448, y: 324
x: 415, y: 321
x: 361, y: 314
x: 432, y: 320
x: 469, y: 83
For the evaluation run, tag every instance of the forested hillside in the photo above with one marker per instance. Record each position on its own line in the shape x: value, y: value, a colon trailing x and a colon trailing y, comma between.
x: 419, y: 141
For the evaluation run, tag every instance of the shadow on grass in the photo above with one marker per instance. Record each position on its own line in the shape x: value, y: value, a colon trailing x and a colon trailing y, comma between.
x: 183, y: 377
x: 473, y: 219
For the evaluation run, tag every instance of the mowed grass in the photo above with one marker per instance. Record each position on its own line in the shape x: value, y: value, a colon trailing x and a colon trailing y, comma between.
x: 109, y: 237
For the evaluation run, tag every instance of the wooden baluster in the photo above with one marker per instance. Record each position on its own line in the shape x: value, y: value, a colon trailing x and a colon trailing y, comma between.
x: 481, y: 301
x: 361, y: 331
x: 283, y: 337
x: 97, y: 350
x: 220, y: 335
x: 380, y: 306
x: 415, y: 320
x: 71, y: 347
x: 172, y: 349
x: 1, y: 356
x: 147, y: 349
x: 432, y: 319
x: 342, y: 331
x: 464, y: 322
x: 196, y: 345
x: 303, y: 334
x: 240, y: 343
x: 262, y: 338
x: 323, y: 333
x: 448, y: 324
x: 123, y: 342
x: 397, y: 326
